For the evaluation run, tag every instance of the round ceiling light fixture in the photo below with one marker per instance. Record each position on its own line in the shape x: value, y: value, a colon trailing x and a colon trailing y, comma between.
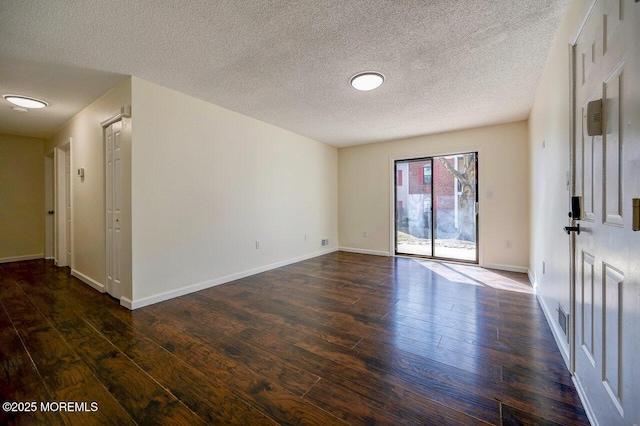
x: 25, y: 101
x: 366, y: 81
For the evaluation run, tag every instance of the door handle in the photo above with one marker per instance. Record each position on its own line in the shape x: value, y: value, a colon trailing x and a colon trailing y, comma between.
x: 570, y: 229
x: 50, y: 212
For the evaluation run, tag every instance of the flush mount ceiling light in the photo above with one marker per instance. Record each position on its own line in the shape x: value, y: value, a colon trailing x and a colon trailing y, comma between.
x: 367, y: 80
x: 25, y: 101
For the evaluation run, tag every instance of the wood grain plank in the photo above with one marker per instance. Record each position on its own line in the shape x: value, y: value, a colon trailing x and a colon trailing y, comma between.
x: 341, y: 338
x: 268, y: 395
x: 205, y: 395
x: 63, y: 372
x: 20, y: 379
x: 138, y: 393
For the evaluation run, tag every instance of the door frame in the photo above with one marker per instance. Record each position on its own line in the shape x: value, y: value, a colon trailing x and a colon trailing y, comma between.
x: 392, y: 198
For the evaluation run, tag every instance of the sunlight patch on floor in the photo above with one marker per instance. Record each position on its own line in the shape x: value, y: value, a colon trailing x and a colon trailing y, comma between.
x: 478, y: 276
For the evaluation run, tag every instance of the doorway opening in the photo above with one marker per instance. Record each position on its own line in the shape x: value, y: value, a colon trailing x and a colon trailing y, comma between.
x: 436, y: 207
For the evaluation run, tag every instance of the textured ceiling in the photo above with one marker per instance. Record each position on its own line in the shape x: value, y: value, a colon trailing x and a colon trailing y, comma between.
x: 448, y: 64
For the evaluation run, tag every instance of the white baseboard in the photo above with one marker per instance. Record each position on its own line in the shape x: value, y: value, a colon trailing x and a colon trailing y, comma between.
x: 21, y: 258
x: 563, y: 346
x: 557, y: 332
x: 582, y: 394
x: 365, y: 251
x: 509, y: 268
x: 90, y: 281
x: 126, y: 302
x: 532, y: 279
x: 161, y: 297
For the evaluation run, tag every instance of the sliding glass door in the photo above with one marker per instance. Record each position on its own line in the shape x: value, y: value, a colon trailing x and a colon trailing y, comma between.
x: 436, y: 207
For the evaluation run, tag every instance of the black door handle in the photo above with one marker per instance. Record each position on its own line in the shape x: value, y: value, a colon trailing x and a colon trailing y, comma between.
x: 50, y: 212
x: 570, y: 229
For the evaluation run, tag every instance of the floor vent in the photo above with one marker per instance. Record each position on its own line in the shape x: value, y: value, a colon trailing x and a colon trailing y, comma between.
x: 563, y: 319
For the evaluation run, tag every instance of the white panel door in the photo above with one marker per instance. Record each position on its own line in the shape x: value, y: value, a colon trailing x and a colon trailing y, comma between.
x: 113, y: 178
x: 49, y: 191
x: 62, y: 160
x: 607, y: 279
x: 68, y: 205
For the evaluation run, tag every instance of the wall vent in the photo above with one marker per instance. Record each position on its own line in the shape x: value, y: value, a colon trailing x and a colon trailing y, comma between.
x: 563, y: 320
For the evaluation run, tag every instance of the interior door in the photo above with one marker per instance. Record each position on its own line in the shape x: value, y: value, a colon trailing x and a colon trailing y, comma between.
x: 113, y: 202
x: 67, y: 184
x: 62, y: 235
x: 606, y: 343
x: 49, y: 191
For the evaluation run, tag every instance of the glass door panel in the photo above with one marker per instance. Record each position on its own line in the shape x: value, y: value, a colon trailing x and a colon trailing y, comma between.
x: 454, y: 210
x: 413, y: 207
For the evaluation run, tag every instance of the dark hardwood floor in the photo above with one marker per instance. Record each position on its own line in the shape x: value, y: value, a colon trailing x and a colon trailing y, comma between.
x: 339, y: 339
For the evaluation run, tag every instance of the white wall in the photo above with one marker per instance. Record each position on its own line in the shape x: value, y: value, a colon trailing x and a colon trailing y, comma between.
x: 365, y: 190
x: 22, y: 211
x: 208, y: 182
x: 550, y: 122
x: 88, y: 215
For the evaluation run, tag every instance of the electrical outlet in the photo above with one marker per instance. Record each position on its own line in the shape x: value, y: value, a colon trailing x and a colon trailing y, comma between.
x: 306, y: 237
x: 364, y: 234
x: 544, y: 267
x: 257, y: 245
x: 544, y: 144
x: 507, y: 244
